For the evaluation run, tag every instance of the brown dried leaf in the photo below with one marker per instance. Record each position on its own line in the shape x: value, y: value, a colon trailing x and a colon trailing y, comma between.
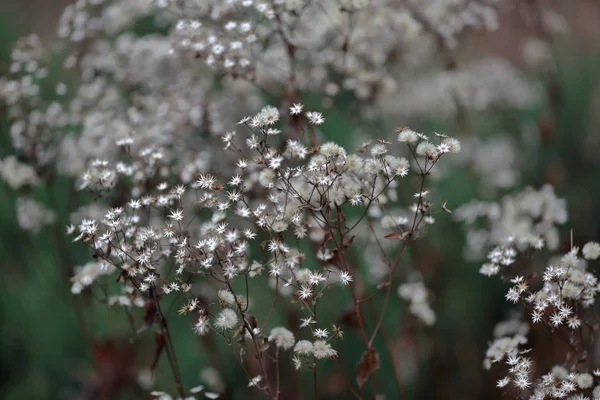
x: 402, y: 236
x: 369, y: 364
x: 150, y: 310
x: 251, y: 320
x: 393, y: 236
x: 349, y: 241
x: 262, y: 343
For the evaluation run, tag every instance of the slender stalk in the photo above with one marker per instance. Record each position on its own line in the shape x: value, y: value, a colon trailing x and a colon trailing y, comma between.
x: 315, y: 382
x: 259, y: 355
x: 170, y: 349
x: 390, y: 350
x: 277, y: 372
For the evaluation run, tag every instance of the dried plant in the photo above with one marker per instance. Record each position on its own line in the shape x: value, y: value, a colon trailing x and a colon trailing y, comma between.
x: 202, y: 177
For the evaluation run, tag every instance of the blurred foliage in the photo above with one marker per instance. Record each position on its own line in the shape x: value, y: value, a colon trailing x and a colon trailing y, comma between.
x: 52, y: 341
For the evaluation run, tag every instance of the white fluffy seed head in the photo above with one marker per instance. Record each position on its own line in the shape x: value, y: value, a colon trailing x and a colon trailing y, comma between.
x: 303, y: 347
x: 282, y: 337
x: 591, y: 250
x: 585, y: 380
x: 426, y: 149
x: 226, y: 297
x: 408, y: 136
x: 227, y: 319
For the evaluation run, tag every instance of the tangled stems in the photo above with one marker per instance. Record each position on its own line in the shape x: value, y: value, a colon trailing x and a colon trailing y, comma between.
x: 279, y: 195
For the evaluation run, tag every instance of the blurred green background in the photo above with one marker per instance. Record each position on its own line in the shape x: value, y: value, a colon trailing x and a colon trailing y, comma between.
x: 54, y: 344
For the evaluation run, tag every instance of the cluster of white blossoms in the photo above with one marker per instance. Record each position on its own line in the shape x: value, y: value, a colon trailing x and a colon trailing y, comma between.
x: 477, y: 85
x: 134, y: 119
x: 277, y: 192
x: 508, y: 342
x: 562, y: 303
x: 87, y: 274
x: 17, y: 174
x: 528, y: 219
x: 134, y: 116
x: 178, y: 240
x: 144, y: 90
x: 123, y: 87
x: 565, y: 283
x: 559, y: 296
x: 307, y: 42
x: 123, y: 84
x: 509, y: 347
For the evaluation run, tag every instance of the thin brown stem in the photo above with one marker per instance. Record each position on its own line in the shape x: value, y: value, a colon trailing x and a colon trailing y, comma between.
x: 259, y: 355
x: 277, y: 372
x: 170, y: 349
x: 315, y: 382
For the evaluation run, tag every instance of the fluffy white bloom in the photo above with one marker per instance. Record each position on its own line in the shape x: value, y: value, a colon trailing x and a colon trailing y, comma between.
x: 332, y: 150
x: 322, y: 349
x: 452, y: 144
x: 560, y: 372
x: 591, y: 250
x: 267, y: 177
x: 282, y: 337
x: 226, y: 297
x: 426, y: 149
x: 227, y: 319
x: 585, y: 380
x: 378, y: 150
x: 303, y: 347
x: 269, y: 115
x: 407, y: 136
